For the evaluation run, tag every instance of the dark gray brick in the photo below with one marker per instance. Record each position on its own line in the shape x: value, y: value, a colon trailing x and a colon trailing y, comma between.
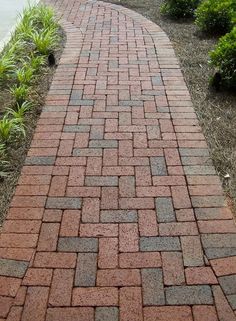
x: 76, y: 128
x: 208, y: 201
x: 189, y: 295
x: 86, y: 269
x: 219, y: 240
x: 101, y: 181
x: 13, y: 268
x: 153, y: 92
x: 87, y: 152
x: 119, y: 216
x: 153, y: 289
x: 232, y: 300
x: 130, y: 103
x: 81, y: 102
x: 97, y: 132
x: 228, y: 283
x: 78, y: 244
x: 156, y: 80
x: 204, y: 160
x: 194, y: 152
x: 40, y: 160
x: 158, y: 166
x: 214, y: 213
x: 63, y: 202
x: 107, y: 314
x: 199, y: 170
x: 192, y: 251
x: 106, y: 143
x: 76, y: 94
x: 164, y: 210
x: 216, y: 253
x: 163, y: 243
x: 54, y: 108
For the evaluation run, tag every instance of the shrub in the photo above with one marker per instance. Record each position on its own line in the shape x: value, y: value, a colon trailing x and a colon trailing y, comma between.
x: 223, y: 58
x: 216, y: 16
x: 179, y: 8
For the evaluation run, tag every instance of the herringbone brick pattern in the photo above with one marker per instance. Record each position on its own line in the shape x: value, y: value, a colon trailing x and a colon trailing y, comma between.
x: 118, y: 214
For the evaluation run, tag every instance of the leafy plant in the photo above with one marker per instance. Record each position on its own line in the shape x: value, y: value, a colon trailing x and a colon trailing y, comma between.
x: 18, y: 114
x: 6, y: 66
x: 46, y: 16
x: 223, y: 58
x: 216, y: 16
x: 20, y: 93
x: 24, y: 75
x: 36, y: 62
x: 10, y: 129
x: 179, y: 8
x: 45, y: 41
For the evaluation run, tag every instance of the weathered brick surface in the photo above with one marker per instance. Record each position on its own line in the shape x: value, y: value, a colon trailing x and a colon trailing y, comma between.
x: 118, y: 214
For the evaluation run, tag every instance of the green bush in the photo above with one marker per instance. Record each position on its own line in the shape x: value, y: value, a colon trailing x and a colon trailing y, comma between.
x: 179, y: 8
x: 216, y: 16
x: 223, y: 58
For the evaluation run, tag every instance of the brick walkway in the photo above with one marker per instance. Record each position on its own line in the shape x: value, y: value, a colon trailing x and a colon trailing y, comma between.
x: 118, y: 214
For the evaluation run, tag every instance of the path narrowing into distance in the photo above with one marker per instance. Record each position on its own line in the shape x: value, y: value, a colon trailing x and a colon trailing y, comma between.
x: 118, y: 214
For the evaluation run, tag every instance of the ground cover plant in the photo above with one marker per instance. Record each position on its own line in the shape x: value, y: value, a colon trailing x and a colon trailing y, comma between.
x: 24, y: 79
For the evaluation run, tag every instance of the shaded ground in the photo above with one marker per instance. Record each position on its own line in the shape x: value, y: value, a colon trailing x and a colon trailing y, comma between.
x: 18, y: 152
x: 216, y: 111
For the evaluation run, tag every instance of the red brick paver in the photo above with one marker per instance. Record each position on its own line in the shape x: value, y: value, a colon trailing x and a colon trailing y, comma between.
x: 118, y: 214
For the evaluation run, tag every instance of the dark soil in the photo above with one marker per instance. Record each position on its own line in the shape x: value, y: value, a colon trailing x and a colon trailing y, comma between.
x: 216, y: 110
x: 17, y: 153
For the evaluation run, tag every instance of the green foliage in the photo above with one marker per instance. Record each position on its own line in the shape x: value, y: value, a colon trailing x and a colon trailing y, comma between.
x: 36, y: 62
x: 223, y: 58
x: 6, y: 66
x: 179, y: 8
x: 46, y: 17
x: 45, y: 41
x: 18, y: 114
x: 216, y: 16
x: 25, y: 75
x: 20, y: 93
x: 10, y: 129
